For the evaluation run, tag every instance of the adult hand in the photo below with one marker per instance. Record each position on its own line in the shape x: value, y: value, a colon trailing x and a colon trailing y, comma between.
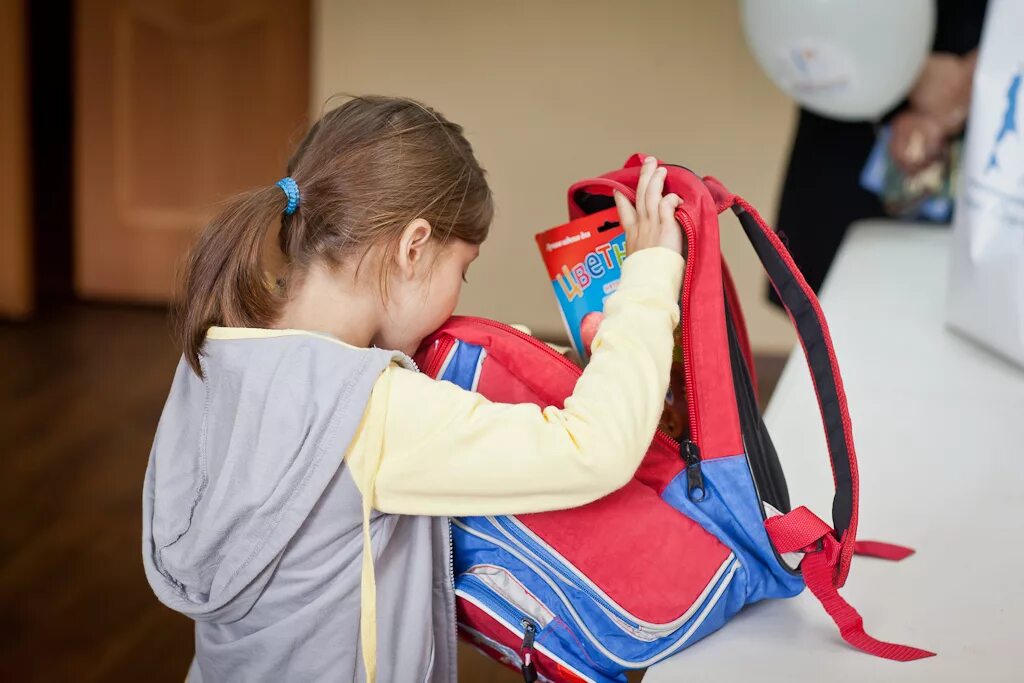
x: 943, y: 90
x: 917, y: 141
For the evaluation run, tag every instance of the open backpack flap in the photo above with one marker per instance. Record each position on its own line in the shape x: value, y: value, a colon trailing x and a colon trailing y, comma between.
x: 704, y: 527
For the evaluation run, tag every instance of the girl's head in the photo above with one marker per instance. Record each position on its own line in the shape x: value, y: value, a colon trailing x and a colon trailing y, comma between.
x: 392, y: 203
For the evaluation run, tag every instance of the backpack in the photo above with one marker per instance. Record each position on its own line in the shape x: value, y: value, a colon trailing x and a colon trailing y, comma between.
x: 704, y: 527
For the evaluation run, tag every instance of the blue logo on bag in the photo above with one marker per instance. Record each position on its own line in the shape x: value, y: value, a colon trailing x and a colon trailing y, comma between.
x: 1009, y: 124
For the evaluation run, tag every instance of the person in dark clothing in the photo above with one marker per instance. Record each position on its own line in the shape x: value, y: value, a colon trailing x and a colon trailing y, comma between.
x: 821, y: 194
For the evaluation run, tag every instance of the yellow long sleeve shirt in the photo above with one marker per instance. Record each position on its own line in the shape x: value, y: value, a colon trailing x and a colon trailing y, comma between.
x: 431, y: 448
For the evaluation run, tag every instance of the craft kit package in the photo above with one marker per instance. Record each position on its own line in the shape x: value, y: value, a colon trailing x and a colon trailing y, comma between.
x: 584, y: 261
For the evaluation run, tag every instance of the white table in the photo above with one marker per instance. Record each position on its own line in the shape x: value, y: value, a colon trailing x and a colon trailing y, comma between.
x: 939, y: 428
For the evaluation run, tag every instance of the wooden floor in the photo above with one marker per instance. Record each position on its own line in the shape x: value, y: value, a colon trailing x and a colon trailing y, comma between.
x: 80, y: 396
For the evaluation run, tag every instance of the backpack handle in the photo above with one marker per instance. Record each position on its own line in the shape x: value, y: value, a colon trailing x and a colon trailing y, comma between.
x: 714, y: 420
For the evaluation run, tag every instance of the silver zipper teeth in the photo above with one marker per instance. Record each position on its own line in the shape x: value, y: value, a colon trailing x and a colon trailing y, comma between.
x: 406, y: 360
x: 452, y: 656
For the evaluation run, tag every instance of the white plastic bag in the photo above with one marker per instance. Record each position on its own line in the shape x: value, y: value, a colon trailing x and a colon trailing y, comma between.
x: 986, y: 286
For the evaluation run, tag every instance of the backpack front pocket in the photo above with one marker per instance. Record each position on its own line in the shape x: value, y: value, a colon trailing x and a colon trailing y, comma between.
x: 610, y: 629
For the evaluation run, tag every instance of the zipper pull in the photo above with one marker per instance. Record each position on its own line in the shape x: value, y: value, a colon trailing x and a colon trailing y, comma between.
x: 694, y: 477
x: 529, y: 634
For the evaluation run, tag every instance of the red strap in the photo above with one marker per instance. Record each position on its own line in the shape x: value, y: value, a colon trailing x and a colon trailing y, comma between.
x: 882, y: 550
x: 801, y: 530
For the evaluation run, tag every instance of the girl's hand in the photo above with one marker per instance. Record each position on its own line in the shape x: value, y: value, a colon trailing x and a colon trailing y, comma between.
x: 651, y: 223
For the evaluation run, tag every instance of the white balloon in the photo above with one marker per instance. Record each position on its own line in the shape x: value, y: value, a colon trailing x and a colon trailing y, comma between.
x: 844, y: 59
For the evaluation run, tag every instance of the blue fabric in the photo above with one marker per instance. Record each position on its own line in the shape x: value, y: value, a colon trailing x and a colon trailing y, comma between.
x: 731, y: 510
x: 462, y: 368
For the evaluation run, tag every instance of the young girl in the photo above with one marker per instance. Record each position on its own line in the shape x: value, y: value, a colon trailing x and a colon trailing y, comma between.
x: 296, y: 498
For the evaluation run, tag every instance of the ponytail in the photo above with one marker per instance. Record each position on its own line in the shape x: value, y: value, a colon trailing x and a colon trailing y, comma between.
x: 366, y: 169
x: 224, y: 282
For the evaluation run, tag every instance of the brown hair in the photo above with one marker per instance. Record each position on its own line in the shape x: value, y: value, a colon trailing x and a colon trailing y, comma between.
x: 364, y: 171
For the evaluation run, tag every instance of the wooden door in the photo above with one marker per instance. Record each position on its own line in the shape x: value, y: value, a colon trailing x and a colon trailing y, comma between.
x: 179, y: 103
x: 15, y: 233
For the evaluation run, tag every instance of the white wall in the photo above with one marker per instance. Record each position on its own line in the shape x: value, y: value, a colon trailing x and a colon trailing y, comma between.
x: 551, y: 92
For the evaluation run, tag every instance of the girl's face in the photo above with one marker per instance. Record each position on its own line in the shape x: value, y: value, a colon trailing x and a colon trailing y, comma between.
x: 424, y: 293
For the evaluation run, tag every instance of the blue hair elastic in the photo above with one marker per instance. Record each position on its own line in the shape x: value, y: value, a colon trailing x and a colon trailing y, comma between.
x: 291, y: 191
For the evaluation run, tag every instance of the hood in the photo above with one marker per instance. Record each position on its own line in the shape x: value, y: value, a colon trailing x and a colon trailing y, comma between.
x: 240, y: 459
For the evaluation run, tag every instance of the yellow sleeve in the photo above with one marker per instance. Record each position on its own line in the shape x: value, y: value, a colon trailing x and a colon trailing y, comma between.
x: 431, y: 448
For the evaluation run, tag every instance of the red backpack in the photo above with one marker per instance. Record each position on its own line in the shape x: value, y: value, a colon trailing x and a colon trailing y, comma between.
x: 701, y: 530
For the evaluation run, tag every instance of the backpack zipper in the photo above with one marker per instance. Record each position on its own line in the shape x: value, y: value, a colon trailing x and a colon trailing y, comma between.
x: 528, y: 668
x: 453, y: 655
x: 694, y: 477
x: 514, y: 620
x: 689, y: 448
x: 442, y: 347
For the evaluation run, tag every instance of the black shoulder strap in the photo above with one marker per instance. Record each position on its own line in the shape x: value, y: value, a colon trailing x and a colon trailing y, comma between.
x: 812, y: 330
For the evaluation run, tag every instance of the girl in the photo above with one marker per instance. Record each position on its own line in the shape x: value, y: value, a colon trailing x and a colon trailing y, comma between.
x: 297, y: 492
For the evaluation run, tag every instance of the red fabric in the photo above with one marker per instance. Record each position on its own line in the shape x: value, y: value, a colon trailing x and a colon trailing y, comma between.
x: 882, y: 550
x: 658, y: 566
x: 636, y: 160
x: 842, y: 567
x: 802, y: 530
x: 519, y: 369
x: 661, y: 465
x: 795, y: 530
x: 475, y: 618
x: 468, y: 614
x: 723, y: 198
x: 711, y: 394
x: 565, y: 674
x: 732, y: 299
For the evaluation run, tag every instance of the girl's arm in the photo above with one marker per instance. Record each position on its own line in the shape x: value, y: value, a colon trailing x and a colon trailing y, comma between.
x: 429, y: 447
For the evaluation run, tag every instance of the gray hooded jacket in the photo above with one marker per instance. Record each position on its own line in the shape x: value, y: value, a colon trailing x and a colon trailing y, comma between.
x: 252, y: 522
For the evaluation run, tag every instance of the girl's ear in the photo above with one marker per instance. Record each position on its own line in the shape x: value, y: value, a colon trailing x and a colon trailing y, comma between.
x: 413, y: 247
